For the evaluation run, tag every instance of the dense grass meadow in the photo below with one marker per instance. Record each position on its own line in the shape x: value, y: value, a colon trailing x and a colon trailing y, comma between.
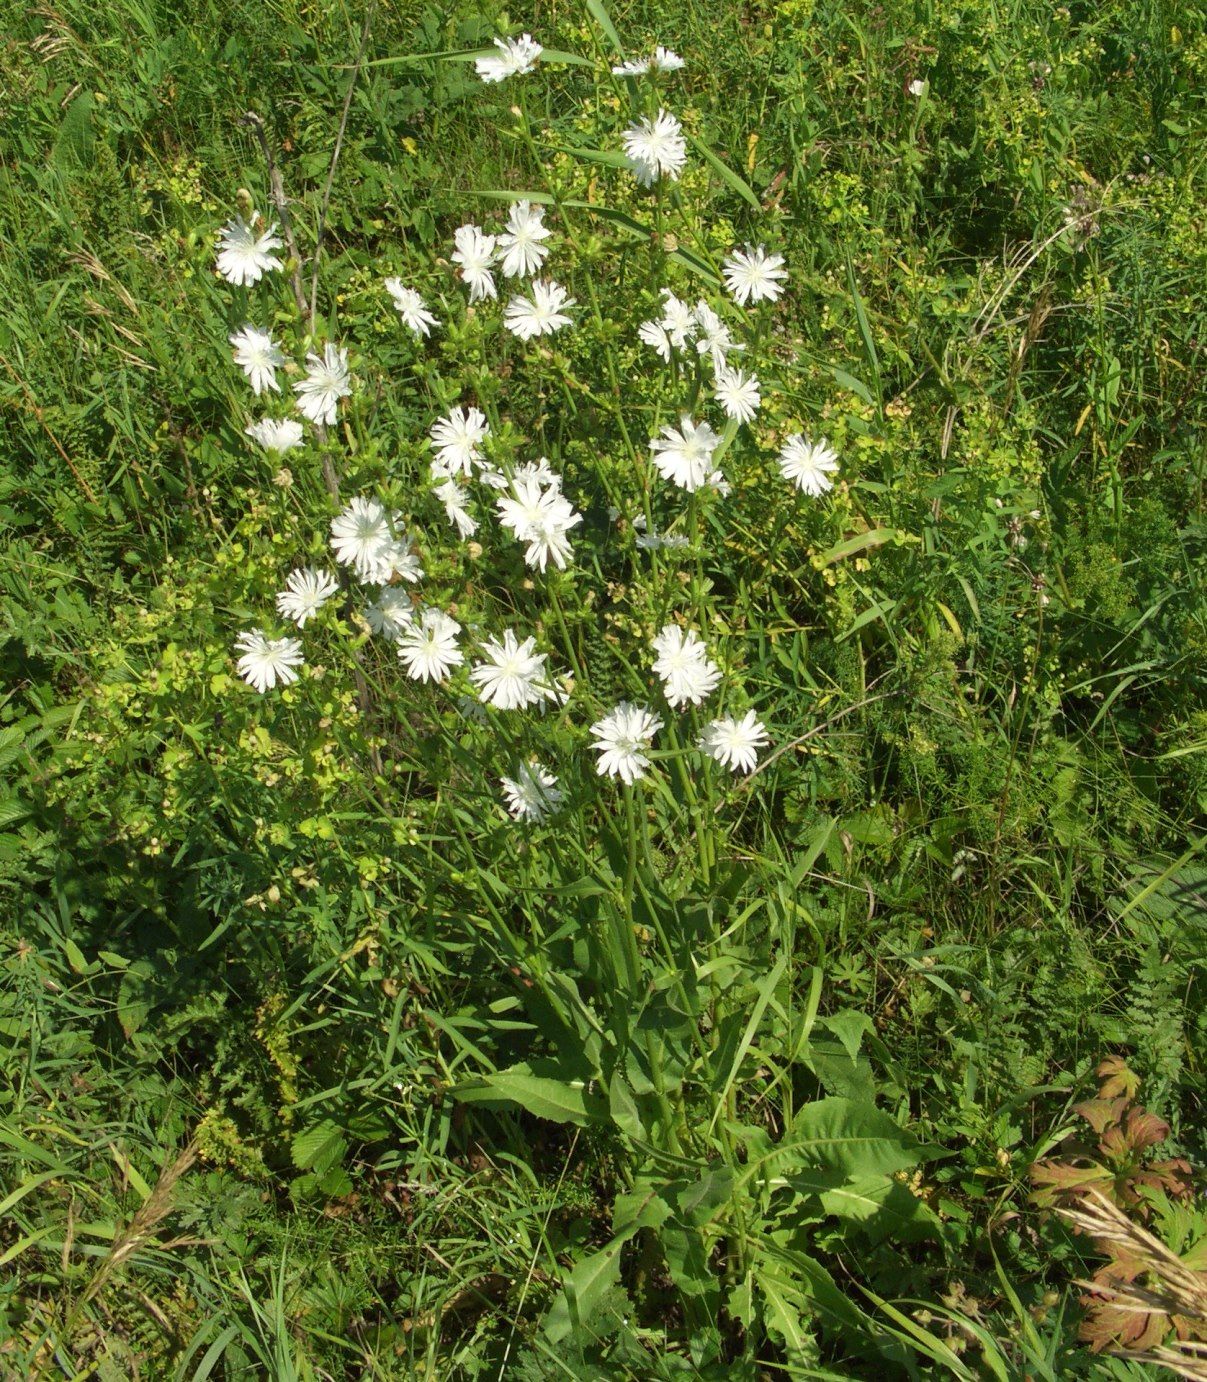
x: 646, y: 820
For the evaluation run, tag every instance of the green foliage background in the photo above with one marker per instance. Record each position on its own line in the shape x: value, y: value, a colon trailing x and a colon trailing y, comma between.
x: 976, y: 871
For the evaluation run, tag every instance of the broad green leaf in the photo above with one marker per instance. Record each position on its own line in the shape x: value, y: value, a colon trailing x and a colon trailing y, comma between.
x: 784, y: 1305
x: 687, y: 1259
x: 850, y: 1028
x: 560, y: 1101
x: 882, y: 1206
x: 698, y: 1201
x: 584, y: 1287
x: 840, y: 1135
x: 623, y: 1107
x: 140, y: 989
x: 801, y: 1282
x: 319, y: 1148
x: 642, y: 1207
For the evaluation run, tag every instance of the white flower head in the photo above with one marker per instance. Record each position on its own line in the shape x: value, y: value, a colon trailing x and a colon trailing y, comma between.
x: 656, y: 148
x: 306, y: 592
x: 276, y: 434
x: 656, y: 335
x: 735, y: 743
x: 391, y: 612
x: 737, y: 393
x: 658, y: 542
x: 491, y: 475
x: 411, y: 308
x: 245, y: 251
x: 684, y: 667
x: 533, y: 793
x: 540, y: 515
x: 427, y: 647
x: 258, y: 355
x: 370, y: 540
x: 807, y: 464
x: 684, y: 456
x: 678, y: 319
x: 662, y: 61
x: 266, y: 661
x: 714, y: 337
x: 753, y: 275
x: 673, y: 330
x: 452, y: 496
x: 539, y: 470
x: 517, y: 56
x: 542, y: 314
x: 512, y: 675
x: 620, y: 740
x: 457, y: 439
x: 522, y: 242
x: 397, y: 557
x: 475, y: 253
x: 325, y: 384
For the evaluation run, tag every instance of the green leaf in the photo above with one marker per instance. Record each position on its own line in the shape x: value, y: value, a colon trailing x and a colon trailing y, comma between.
x: 555, y: 55
x: 597, y: 11
x: 794, y: 1284
x: 687, y: 1260
x: 880, y: 1205
x: 609, y: 158
x: 139, y: 991
x: 849, y: 1138
x: 698, y: 1202
x: 850, y: 1028
x: 860, y: 543
x: 319, y: 1148
x: 765, y: 990
x: 848, y: 381
x: 783, y: 1303
x: 583, y: 1289
x: 642, y: 1207
x: 865, y: 330
x: 623, y: 1107
x: 727, y: 175
x: 560, y: 1101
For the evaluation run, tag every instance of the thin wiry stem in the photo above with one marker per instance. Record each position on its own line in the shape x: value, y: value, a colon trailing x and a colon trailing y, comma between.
x: 335, y: 153
x: 276, y: 187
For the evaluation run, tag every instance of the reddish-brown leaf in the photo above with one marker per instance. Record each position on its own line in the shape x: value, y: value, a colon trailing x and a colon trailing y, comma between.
x: 1115, y: 1079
